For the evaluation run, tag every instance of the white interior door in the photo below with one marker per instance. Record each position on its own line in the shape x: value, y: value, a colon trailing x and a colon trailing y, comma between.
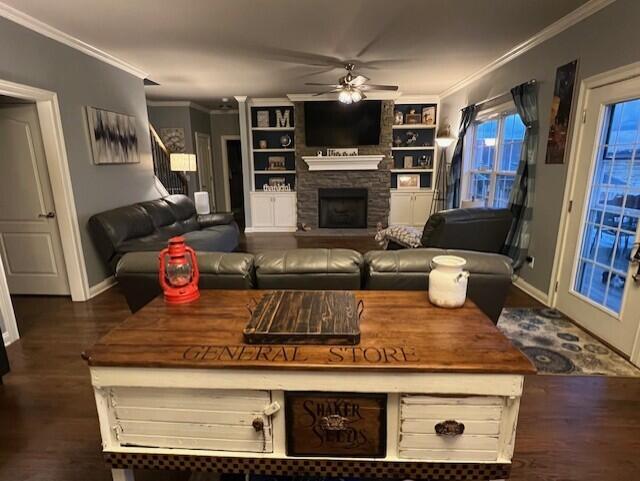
x: 29, y: 238
x: 205, y: 166
x: 599, y: 285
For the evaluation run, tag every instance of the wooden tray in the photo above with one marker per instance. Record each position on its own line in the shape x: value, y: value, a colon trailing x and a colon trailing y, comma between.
x: 305, y: 317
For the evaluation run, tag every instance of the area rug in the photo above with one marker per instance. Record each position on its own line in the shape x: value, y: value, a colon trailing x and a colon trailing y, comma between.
x: 557, y: 346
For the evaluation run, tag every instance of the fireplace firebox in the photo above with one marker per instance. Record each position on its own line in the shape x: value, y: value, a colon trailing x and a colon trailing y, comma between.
x: 343, y: 208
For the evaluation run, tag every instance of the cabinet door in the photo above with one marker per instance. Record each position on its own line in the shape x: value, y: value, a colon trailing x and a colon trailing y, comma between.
x: 262, y: 210
x: 421, y: 208
x: 401, y: 208
x: 284, y: 210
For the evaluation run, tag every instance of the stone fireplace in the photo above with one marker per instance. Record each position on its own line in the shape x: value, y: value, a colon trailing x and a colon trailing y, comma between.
x: 311, y: 185
x: 343, y: 208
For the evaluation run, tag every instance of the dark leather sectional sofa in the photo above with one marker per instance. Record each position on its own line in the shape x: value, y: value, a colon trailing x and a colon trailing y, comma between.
x: 147, y: 226
x: 129, y: 239
x: 323, y: 269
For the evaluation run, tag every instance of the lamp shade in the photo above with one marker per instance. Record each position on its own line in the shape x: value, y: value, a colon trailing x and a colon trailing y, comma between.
x: 183, y: 162
x: 444, y: 138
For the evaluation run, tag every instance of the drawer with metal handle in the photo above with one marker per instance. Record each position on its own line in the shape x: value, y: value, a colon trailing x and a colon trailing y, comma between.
x: 450, y: 428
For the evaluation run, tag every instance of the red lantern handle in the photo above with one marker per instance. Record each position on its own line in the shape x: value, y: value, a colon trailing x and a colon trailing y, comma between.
x: 161, y: 277
x: 194, y: 265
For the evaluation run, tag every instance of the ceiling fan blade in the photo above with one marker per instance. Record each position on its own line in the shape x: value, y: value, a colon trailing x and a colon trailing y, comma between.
x: 335, y: 86
x: 379, y: 87
x: 359, y: 80
x: 325, y: 93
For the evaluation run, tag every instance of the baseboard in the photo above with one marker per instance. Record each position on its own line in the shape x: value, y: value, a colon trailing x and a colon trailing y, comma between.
x: 255, y: 230
x: 100, y: 287
x: 534, y: 292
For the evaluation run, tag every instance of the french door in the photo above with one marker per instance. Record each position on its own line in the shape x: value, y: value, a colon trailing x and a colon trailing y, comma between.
x: 599, y: 281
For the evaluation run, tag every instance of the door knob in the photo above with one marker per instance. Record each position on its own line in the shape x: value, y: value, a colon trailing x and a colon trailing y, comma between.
x: 48, y: 215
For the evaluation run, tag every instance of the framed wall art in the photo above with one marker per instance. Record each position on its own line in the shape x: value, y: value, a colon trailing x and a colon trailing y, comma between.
x: 113, y: 136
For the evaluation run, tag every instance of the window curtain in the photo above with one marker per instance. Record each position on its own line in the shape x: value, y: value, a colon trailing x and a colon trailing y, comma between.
x: 454, y: 179
x: 525, y: 97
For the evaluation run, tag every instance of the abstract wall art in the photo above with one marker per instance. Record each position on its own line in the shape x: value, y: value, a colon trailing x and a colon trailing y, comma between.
x: 114, y: 139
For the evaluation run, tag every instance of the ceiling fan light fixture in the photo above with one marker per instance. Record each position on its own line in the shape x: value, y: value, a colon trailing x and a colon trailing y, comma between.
x: 356, y: 95
x: 345, y: 96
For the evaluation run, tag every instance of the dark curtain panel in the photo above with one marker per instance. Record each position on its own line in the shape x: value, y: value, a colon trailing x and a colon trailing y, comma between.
x: 454, y: 179
x: 525, y: 97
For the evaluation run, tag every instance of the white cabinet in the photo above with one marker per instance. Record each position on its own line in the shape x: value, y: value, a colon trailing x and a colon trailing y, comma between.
x: 272, y: 212
x: 410, y: 208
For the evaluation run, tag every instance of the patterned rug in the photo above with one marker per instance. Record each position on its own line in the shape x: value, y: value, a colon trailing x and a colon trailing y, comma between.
x: 557, y: 346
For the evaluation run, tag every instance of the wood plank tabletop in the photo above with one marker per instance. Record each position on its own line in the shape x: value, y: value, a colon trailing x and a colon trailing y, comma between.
x: 400, y: 330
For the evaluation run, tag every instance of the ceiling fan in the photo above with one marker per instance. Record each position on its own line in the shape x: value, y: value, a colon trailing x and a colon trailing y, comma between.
x: 351, y: 88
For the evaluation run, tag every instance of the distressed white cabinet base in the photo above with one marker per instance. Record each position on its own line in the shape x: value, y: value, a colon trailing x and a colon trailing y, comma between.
x: 272, y: 212
x: 434, y: 398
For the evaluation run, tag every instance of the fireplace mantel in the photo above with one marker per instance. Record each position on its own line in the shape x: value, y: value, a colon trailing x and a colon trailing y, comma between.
x: 352, y: 162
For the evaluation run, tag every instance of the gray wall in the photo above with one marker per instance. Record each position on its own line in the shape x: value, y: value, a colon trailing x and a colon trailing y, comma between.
x: 79, y: 80
x: 602, y: 42
x: 221, y: 124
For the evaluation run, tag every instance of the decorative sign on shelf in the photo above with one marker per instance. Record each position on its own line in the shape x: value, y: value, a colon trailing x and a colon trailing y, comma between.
x: 336, y: 424
x: 283, y: 118
x: 342, y: 152
x: 276, y: 187
x: 276, y: 162
x: 305, y: 317
x: 262, y: 118
x: 429, y: 115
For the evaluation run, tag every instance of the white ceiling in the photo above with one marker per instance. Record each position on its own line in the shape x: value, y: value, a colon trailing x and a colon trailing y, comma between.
x: 202, y: 50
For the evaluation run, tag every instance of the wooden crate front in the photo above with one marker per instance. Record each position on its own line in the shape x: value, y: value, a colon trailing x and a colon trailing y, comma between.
x: 336, y: 424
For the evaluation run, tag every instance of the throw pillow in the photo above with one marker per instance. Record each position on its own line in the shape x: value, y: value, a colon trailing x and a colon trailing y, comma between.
x: 400, y: 234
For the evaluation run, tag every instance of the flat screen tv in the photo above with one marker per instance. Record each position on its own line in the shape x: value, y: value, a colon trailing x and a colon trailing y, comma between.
x: 334, y: 124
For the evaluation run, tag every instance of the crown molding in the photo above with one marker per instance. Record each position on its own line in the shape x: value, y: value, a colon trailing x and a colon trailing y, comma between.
x: 557, y: 27
x: 53, y: 33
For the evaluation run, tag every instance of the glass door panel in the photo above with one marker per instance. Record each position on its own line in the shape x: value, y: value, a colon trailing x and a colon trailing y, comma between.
x: 611, y: 219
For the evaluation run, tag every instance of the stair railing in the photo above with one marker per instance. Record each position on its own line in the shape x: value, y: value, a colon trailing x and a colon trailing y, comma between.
x: 174, y: 182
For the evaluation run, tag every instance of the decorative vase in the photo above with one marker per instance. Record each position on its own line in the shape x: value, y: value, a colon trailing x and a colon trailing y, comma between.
x: 448, y: 281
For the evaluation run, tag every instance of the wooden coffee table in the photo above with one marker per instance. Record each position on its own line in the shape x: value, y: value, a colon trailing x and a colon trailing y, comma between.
x: 428, y: 393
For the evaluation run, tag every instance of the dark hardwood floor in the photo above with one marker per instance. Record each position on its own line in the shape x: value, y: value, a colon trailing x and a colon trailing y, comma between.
x: 570, y: 428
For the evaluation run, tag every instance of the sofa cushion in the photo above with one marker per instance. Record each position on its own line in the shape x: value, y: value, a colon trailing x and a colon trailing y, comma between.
x: 217, y: 238
x: 309, y: 269
x: 215, y: 218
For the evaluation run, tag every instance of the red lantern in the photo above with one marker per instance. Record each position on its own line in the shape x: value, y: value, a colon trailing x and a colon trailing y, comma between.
x: 179, y: 275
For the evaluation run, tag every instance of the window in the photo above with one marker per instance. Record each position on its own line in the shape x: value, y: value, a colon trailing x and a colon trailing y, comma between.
x: 494, y: 157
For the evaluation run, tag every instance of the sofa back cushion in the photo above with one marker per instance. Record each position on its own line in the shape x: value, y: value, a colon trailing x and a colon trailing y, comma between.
x: 184, y: 211
x: 476, y: 229
x: 112, y: 228
x: 309, y: 269
x: 164, y: 219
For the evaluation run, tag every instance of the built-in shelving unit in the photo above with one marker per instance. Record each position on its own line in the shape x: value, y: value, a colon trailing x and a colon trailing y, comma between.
x: 414, y: 143
x: 270, y: 122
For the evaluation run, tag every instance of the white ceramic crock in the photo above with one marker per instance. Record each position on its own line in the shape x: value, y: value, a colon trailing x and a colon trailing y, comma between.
x: 448, y: 281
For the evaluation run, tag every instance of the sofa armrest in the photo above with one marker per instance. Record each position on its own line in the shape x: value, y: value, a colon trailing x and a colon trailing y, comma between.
x: 217, y: 218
